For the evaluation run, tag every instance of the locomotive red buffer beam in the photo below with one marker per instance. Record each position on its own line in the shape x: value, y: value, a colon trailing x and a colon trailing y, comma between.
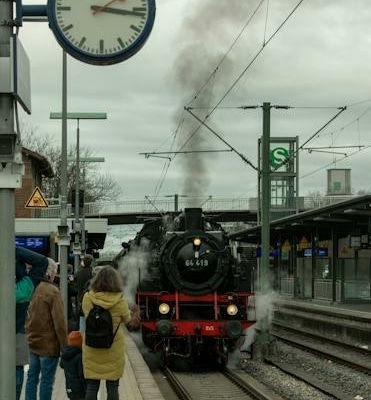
x: 213, y: 315
x: 232, y: 329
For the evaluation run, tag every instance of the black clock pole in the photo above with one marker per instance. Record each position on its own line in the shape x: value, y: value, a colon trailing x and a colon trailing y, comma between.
x: 10, y: 158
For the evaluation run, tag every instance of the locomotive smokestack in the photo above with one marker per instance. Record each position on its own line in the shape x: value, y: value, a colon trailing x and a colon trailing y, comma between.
x: 193, y: 219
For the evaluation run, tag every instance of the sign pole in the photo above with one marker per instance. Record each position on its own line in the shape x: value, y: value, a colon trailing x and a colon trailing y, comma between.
x: 64, y: 238
x: 9, y: 152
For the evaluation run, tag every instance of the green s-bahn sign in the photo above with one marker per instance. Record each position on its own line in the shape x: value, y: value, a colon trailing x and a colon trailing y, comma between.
x: 278, y: 157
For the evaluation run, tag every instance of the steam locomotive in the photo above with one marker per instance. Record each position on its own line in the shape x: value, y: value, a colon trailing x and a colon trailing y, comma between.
x: 195, y: 302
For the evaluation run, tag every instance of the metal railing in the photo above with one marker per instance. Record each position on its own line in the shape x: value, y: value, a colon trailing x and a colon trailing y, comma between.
x: 167, y: 205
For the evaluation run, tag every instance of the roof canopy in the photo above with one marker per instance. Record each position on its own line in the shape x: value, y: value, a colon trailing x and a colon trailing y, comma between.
x: 347, y: 217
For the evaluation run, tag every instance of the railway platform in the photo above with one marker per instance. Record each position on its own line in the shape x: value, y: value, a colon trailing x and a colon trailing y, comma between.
x: 137, y: 382
x: 362, y: 310
x: 347, y: 322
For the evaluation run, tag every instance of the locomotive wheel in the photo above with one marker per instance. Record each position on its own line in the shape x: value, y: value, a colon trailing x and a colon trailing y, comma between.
x: 163, y: 361
x: 221, y: 362
x: 181, y: 364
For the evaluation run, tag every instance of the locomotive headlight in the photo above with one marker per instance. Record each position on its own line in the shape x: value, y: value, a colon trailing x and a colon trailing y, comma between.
x: 163, y: 308
x: 196, y: 247
x: 197, y: 242
x: 232, y: 309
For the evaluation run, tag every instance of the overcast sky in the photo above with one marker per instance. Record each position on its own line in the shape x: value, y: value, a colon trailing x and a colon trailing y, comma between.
x: 320, y: 59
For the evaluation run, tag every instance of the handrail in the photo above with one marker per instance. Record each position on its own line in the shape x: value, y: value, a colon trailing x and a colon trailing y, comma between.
x: 168, y: 205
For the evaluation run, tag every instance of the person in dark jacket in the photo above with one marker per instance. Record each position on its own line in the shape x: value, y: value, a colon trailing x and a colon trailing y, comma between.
x: 30, y: 269
x: 33, y: 265
x: 82, y: 278
x: 46, y: 331
x: 71, y: 362
x: 23, y: 292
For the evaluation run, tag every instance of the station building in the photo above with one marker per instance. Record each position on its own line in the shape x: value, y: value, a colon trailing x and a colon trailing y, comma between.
x: 41, y: 234
x: 322, y: 254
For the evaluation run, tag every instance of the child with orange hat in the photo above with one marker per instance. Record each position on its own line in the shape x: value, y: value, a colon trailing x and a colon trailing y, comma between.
x: 71, y: 362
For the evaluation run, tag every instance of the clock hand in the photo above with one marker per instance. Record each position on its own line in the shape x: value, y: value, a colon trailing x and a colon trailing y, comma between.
x: 117, y: 11
x: 100, y: 8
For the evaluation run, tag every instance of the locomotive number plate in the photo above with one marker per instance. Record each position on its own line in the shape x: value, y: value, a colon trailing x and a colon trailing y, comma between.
x: 196, y: 263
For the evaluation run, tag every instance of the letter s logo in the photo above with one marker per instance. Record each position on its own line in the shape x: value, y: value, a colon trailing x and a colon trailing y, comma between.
x: 278, y: 157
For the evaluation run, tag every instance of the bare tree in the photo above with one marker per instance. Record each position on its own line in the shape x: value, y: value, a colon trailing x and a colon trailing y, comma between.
x: 98, y: 186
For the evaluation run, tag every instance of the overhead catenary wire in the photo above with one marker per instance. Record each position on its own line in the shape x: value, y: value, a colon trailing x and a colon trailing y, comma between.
x: 266, y: 42
x: 266, y: 23
x: 254, y: 58
x: 238, y: 79
x: 165, y: 170
x: 355, y: 120
x: 158, y: 154
x: 341, y: 110
x: 341, y: 129
x: 316, y: 134
x: 224, y: 141
x: 300, y: 148
x: 166, y: 166
x: 154, y: 205
x: 334, y: 162
x: 195, y: 96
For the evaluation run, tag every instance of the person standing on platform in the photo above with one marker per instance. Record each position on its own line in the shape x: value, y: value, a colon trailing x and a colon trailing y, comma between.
x: 106, y: 364
x: 72, y: 307
x: 71, y: 362
x: 46, y: 331
x: 30, y: 268
x: 82, y: 278
x: 23, y: 292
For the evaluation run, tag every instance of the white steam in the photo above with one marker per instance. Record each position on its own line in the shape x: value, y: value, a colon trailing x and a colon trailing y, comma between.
x: 133, y: 268
x: 264, y: 307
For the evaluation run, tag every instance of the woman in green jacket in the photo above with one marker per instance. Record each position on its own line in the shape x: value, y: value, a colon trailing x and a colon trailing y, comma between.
x: 106, y: 364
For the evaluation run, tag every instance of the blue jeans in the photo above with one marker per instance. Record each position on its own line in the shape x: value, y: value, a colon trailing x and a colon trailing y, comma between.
x: 19, y: 375
x: 82, y: 324
x: 47, y: 366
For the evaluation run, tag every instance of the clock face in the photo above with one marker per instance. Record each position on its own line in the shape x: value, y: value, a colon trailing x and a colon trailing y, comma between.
x: 100, y: 31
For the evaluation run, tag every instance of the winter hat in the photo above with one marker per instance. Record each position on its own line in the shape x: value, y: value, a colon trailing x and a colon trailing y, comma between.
x: 75, y: 339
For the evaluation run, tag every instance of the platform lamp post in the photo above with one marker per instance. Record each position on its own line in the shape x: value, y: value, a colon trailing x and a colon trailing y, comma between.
x: 63, y: 228
x: 84, y: 160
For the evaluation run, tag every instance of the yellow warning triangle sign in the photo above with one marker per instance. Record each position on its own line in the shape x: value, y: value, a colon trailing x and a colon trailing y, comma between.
x: 36, y: 200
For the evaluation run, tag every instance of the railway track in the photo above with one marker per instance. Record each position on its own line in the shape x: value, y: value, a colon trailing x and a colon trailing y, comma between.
x: 351, y: 356
x: 294, y: 377
x: 212, y: 385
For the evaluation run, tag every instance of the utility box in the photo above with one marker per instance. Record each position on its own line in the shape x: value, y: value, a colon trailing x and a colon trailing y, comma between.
x: 15, y: 74
x: 338, y: 182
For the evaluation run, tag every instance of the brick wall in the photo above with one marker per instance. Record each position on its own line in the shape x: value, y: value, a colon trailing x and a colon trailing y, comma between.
x: 23, y: 194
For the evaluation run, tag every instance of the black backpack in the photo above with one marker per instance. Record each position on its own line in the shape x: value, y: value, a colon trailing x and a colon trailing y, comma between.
x: 99, y: 328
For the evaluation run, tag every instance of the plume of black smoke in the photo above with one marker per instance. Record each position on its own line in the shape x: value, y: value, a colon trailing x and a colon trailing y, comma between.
x: 205, y: 36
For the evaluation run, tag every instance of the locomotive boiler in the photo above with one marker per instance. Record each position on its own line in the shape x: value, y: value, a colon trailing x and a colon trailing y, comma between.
x: 194, y: 302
